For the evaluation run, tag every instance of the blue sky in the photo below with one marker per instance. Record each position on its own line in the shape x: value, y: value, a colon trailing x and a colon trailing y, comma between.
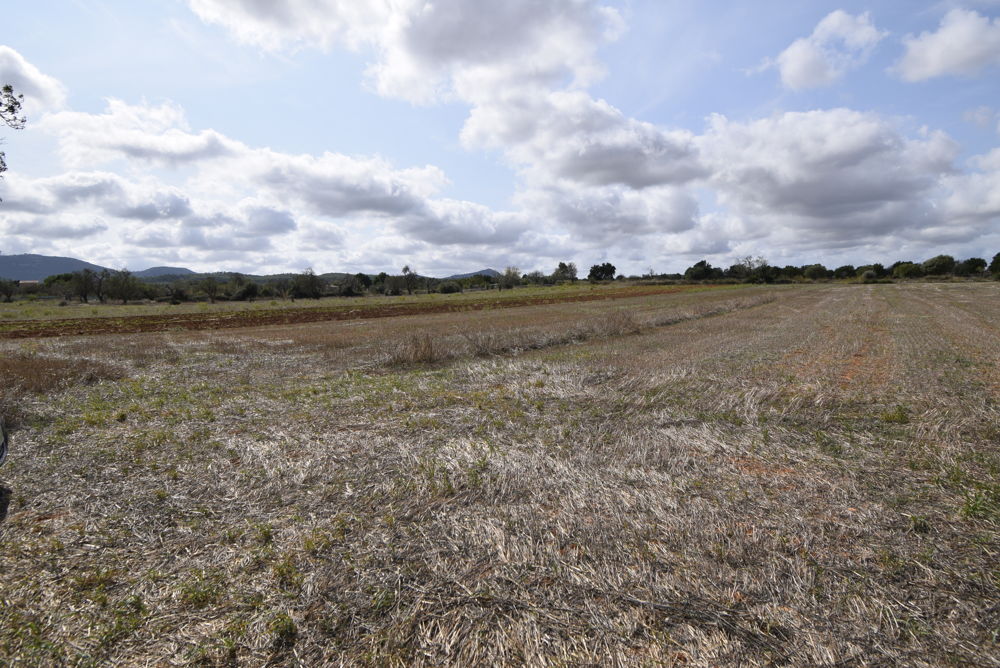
x: 362, y: 136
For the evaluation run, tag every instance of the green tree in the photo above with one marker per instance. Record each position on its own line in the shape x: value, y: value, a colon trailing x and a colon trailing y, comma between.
x: 10, y: 114
x: 123, y: 285
x: 877, y: 269
x: 210, y: 286
x: 395, y: 285
x: 283, y: 287
x: 701, y: 271
x: 602, y: 272
x: 844, y: 271
x: 939, y: 265
x: 995, y: 266
x: 308, y: 285
x: 908, y: 270
x: 83, y: 284
x: 510, y: 277
x: 973, y: 266
x: 410, y: 278
x: 566, y: 271
x: 815, y: 272
x: 536, y: 277
x: 177, y: 291
x: 7, y: 289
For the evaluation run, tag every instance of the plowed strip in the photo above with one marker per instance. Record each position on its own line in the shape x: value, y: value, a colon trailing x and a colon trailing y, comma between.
x: 231, y: 320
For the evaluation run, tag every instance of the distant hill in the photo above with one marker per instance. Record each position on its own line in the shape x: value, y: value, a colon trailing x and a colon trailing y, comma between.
x: 153, y: 272
x: 492, y: 273
x: 30, y: 267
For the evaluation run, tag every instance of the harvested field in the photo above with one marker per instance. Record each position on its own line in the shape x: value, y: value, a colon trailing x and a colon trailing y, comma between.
x: 762, y: 476
x: 108, y: 319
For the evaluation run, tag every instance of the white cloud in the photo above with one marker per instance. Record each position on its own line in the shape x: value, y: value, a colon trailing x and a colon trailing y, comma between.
x: 451, y: 222
x: 41, y: 92
x: 828, y: 176
x: 840, y: 42
x: 296, y: 23
x: 592, y: 183
x: 284, y: 203
x: 55, y: 228
x: 614, y: 214
x: 569, y: 135
x: 156, y: 134
x: 964, y: 44
x: 982, y: 116
x: 425, y: 51
x: 106, y: 192
x: 975, y: 196
x: 336, y: 185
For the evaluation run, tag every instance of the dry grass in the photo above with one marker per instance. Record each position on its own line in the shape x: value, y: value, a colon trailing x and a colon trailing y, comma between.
x: 809, y: 479
x: 26, y: 372
x: 423, y: 348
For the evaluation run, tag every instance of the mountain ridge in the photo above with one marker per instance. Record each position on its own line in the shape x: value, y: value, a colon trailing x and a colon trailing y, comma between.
x: 37, y: 267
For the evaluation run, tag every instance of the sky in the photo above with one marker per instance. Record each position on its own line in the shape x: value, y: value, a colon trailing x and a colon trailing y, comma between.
x: 452, y: 135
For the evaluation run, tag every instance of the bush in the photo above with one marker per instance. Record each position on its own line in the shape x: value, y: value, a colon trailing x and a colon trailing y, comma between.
x: 815, y: 272
x: 449, y: 287
x: 416, y: 349
x: 619, y: 323
x: 908, y: 270
x: 939, y: 265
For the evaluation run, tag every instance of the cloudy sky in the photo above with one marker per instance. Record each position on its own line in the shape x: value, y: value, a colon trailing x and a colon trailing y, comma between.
x: 361, y: 135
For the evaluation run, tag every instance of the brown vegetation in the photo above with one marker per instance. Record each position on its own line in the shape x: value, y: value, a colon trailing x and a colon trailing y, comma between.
x: 292, y: 315
x: 798, y: 476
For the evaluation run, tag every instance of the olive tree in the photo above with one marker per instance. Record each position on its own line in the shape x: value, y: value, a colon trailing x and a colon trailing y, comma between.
x: 10, y: 114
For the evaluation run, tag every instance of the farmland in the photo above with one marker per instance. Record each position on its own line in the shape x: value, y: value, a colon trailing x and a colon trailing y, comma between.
x: 807, y: 475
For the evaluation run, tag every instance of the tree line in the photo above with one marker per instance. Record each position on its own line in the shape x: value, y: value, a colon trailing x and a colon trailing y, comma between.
x: 122, y: 286
x: 759, y: 270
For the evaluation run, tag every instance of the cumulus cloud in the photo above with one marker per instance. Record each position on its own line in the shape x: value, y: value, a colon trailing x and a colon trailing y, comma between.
x: 156, y: 134
x: 55, y: 228
x: 429, y: 50
x: 295, y: 23
x: 614, y: 214
x: 336, y: 185
x: 964, y: 44
x: 840, y: 42
x: 591, y: 181
x: 450, y: 222
x: 472, y: 48
x: 103, y: 191
x: 837, y: 174
x: 569, y: 135
x: 41, y: 91
x: 521, y: 66
x: 975, y: 196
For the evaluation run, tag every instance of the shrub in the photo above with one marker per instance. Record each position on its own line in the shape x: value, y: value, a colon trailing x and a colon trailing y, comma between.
x: 449, y: 287
x: 620, y: 322
x: 939, y: 265
x: 416, y: 349
x: 816, y: 272
x: 908, y: 270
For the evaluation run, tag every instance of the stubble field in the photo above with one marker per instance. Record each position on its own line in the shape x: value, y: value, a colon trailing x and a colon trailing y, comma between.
x: 753, y: 476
